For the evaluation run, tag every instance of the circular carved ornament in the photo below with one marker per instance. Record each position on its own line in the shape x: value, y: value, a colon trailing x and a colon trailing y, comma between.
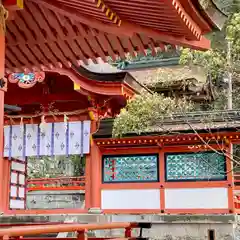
x: 26, y: 80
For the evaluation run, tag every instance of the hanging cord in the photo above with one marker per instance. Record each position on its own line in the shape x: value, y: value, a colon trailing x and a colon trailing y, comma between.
x: 3, y: 18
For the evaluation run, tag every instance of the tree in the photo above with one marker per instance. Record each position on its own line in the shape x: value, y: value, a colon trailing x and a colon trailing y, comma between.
x: 222, y: 62
x: 145, y: 110
x: 57, y: 166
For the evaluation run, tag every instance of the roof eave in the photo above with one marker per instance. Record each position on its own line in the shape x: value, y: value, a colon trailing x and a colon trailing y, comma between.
x: 214, y: 15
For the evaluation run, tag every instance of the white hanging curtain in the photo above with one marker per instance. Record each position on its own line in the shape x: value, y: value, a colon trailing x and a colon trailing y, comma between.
x: 54, y: 139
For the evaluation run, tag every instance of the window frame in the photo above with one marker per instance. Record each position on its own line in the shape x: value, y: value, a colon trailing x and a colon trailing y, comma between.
x: 166, y: 154
x: 131, y: 155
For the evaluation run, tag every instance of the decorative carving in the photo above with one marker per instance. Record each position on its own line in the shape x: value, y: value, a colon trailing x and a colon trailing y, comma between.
x: 26, y: 80
x: 130, y: 168
x: 195, y: 166
x: 99, y: 110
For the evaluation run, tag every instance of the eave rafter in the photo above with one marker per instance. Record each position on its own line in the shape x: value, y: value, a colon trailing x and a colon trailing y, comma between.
x: 50, y: 35
x: 108, y: 12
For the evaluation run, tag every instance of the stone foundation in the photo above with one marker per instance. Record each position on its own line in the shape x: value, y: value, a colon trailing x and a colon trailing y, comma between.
x: 165, y: 227
x: 56, y: 199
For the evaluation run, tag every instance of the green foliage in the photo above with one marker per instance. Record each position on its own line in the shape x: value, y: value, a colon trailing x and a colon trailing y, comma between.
x: 214, y: 60
x: 146, y: 110
x: 47, y: 167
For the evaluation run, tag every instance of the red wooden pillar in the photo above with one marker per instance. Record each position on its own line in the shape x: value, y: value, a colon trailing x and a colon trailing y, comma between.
x: 229, y: 168
x: 2, y: 165
x: 95, y: 175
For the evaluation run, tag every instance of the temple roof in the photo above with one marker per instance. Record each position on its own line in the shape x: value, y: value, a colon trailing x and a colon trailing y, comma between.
x: 68, y: 90
x: 59, y: 33
x: 202, y: 122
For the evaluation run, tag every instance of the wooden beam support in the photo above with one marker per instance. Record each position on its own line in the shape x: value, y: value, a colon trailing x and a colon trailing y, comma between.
x: 126, y: 29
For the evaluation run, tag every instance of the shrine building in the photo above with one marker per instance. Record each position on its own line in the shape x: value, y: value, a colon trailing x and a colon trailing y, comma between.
x: 55, y: 111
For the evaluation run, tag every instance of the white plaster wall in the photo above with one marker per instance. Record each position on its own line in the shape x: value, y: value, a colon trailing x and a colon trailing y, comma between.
x: 130, y: 199
x: 18, y: 166
x: 17, y: 204
x: 197, y: 198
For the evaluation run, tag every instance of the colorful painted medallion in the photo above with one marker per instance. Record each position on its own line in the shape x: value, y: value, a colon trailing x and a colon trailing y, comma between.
x: 26, y: 80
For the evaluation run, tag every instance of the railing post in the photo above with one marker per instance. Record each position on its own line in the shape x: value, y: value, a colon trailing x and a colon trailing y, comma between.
x: 128, y: 232
x: 82, y: 235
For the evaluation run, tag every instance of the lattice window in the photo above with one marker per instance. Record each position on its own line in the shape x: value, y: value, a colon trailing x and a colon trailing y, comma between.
x: 130, y: 168
x: 17, y: 191
x: 195, y: 166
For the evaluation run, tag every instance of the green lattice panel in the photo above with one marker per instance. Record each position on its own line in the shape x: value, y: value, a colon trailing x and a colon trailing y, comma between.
x: 130, y: 168
x: 195, y: 166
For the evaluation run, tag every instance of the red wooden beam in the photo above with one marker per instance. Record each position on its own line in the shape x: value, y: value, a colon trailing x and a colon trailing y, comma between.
x: 13, y: 4
x: 95, y: 87
x: 14, y: 99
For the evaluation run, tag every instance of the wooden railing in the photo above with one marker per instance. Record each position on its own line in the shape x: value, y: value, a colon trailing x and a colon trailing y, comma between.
x: 55, y: 184
x: 81, y: 229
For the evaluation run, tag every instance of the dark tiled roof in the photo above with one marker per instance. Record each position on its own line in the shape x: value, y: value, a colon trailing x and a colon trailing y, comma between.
x: 200, y: 121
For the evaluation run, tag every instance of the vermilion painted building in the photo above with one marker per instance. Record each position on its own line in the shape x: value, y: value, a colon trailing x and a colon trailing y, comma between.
x: 44, y: 44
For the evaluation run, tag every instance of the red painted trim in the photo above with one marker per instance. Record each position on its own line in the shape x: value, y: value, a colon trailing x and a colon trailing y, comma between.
x: 29, y: 189
x: 102, y: 88
x: 157, y: 185
x: 5, y: 199
x: 170, y: 140
x: 46, y: 211
x: 130, y: 185
x: 131, y: 211
x: 166, y: 211
x: 131, y: 150
x: 196, y: 211
x: 49, y: 119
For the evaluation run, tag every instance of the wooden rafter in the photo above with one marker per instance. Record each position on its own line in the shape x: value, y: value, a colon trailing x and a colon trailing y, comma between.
x: 55, y: 34
x: 108, y: 12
